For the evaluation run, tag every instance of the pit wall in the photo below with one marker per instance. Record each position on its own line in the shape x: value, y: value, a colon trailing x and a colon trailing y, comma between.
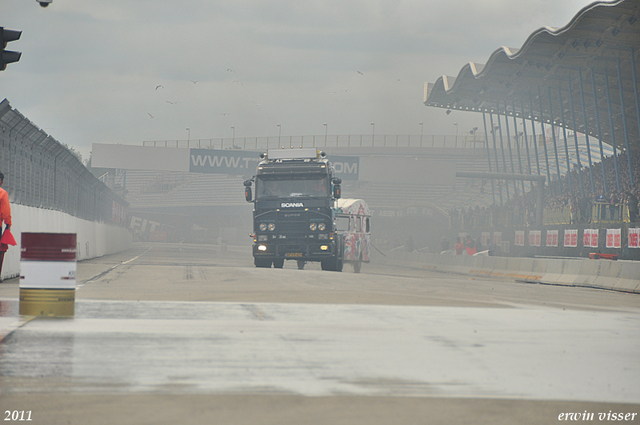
x: 93, y: 239
x: 605, y: 274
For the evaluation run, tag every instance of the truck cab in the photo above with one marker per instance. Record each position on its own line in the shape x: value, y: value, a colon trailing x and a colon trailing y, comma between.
x: 294, y: 214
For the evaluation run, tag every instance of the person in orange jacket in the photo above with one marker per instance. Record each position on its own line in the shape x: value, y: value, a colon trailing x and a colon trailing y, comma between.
x: 5, y: 217
x: 470, y: 246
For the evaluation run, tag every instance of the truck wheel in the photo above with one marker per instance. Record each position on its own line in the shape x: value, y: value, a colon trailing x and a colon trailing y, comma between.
x: 278, y: 263
x: 333, y: 264
x: 357, y: 266
x: 301, y: 264
x: 339, y: 264
x: 262, y: 262
x: 339, y: 261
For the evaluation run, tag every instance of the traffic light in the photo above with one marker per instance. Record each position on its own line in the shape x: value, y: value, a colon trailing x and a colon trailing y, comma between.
x: 7, y: 56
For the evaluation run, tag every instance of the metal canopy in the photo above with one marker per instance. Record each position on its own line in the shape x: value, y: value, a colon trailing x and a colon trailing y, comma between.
x: 557, y: 67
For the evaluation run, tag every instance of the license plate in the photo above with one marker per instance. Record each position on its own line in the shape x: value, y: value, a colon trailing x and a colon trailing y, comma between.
x: 293, y: 254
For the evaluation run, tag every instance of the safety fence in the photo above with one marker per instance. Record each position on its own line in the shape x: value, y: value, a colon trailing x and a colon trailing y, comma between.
x: 40, y: 172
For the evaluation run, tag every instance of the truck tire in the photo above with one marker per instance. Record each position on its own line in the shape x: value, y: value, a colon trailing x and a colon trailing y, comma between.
x: 357, y: 265
x: 301, y: 264
x: 335, y: 263
x: 278, y: 263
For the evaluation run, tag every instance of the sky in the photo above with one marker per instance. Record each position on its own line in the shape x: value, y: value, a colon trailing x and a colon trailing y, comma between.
x: 123, y: 71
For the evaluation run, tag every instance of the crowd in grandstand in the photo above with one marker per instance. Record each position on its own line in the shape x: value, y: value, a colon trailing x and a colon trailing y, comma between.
x: 564, y: 198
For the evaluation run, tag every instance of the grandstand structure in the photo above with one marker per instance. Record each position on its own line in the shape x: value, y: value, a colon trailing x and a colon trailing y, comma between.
x: 582, y: 78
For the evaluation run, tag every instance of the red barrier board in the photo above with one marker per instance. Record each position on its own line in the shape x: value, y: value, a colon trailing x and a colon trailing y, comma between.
x: 48, y: 247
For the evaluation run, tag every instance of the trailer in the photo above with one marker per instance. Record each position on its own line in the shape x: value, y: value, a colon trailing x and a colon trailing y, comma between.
x: 354, y: 226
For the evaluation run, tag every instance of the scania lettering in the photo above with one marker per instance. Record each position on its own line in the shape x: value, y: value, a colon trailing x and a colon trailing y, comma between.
x: 295, y: 209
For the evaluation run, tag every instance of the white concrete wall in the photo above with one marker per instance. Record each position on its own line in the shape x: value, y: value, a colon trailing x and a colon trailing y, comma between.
x: 93, y: 239
x: 616, y: 275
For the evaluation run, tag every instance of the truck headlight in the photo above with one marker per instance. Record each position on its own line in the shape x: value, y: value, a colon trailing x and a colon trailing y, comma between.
x: 322, y: 226
x: 263, y: 227
x: 272, y: 227
x: 312, y: 227
x: 262, y: 248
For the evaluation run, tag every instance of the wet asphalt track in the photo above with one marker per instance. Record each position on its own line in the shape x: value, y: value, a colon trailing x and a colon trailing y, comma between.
x: 191, y: 320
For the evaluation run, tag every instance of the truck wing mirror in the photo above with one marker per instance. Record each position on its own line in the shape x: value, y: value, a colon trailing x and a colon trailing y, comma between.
x: 336, y: 191
x: 247, y: 190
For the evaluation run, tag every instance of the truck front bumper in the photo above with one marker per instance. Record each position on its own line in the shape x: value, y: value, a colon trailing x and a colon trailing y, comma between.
x: 308, y: 252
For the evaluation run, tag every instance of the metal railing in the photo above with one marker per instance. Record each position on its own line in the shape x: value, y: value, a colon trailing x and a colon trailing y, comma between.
x: 323, y: 141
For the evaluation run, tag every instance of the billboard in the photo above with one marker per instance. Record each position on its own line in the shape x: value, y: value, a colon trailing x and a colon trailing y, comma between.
x: 239, y: 162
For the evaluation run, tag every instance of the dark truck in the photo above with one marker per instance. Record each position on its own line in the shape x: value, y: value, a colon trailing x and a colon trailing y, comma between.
x: 294, y: 214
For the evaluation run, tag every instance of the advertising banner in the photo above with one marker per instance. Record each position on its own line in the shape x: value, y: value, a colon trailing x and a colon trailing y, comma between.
x: 241, y: 162
x: 519, y: 239
x: 534, y: 237
x: 485, y: 238
x: 571, y: 238
x: 552, y: 238
x: 613, y: 238
x: 590, y: 238
x: 634, y: 237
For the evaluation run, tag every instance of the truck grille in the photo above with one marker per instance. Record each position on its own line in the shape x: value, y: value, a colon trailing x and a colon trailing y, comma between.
x: 290, y: 223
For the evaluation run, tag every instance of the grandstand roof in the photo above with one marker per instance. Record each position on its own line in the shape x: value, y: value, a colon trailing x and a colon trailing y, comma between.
x: 600, y: 47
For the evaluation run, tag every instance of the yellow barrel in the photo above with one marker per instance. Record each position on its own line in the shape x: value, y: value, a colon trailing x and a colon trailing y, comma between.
x: 47, y: 302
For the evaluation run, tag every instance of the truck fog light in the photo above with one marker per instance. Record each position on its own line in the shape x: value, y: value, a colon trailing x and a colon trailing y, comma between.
x: 272, y: 227
x: 312, y: 227
x: 324, y: 247
x: 321, y: 227
x: 263, y: 227
x: 262, y: 248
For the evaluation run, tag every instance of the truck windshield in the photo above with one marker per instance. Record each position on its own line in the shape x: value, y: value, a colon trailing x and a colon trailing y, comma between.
x: 286, y: 187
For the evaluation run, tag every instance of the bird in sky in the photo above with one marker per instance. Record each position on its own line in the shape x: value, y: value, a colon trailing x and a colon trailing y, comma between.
x: 159, y: 86
x: 360, y: 73
x: 150, y: 115
x: 194, y: 82
x: 172, y: 103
